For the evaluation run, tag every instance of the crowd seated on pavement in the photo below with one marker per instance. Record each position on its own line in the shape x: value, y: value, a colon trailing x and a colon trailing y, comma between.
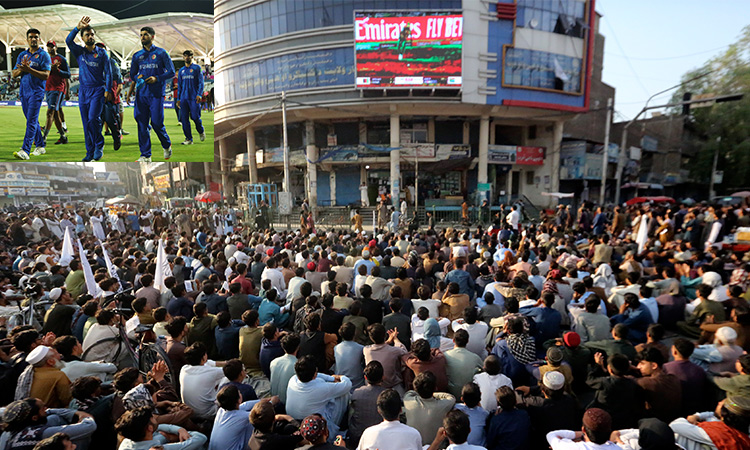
x: 595, y: 328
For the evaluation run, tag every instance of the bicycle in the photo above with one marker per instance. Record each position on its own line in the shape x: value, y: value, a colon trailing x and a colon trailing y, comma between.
x: 142, y: 353
x: 33, y: 312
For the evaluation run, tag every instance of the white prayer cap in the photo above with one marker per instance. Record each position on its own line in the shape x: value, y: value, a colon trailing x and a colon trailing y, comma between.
x: 726, y: 335
x: 38, y: 354
x: 55, y: 293
x: 554, y: 380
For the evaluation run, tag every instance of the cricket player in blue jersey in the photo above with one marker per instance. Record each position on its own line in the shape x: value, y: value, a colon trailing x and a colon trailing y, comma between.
x: 150, y: 69
x: 95, y: 77
x: 33, y: 66
x: 190, y: 90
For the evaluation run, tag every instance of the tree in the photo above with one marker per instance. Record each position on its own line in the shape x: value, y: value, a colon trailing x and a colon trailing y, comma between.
x: 724, y: 125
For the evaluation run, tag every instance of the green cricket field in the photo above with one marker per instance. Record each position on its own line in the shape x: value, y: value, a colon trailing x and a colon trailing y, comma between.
x: 13, y: 128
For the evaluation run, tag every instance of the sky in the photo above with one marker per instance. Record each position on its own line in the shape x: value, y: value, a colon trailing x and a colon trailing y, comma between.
x: 662, y: 40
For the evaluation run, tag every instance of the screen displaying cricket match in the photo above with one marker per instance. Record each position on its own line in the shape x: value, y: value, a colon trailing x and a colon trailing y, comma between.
x: 408, y: 49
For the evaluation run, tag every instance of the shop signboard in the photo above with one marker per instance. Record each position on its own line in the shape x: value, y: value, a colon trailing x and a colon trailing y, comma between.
x: 275, y: 155
x: 452, y: 151
x: 421, y: 151
x: 16, y: 191
x: 342, y: 153
x: 572, y: 160
x: 483, y: 187
x: 530, y: 156
x: 37, y: 192
x: 161, y: 182
x: 297, y: 158
x: 593, y: 167
x: 502, y: 154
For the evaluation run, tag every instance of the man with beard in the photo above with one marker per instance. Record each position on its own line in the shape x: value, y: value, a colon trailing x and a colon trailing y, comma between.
x: 150, y: 69
x: 190, y: 82
x: 29, y: 422
x: 43, y: 378
x: 32, y: 66
x: 95, y: 75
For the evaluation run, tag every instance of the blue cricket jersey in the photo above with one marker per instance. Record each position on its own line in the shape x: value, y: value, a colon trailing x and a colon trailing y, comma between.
x: 39, y: 60
x: 94, y: 69
x: 190, y: 82
x: 152, y: 63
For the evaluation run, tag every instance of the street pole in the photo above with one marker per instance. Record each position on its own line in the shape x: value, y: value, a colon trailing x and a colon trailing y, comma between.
x: 287, y: 177
x: 605, y: 153
x: 711, y: 191
x: 416, y: 182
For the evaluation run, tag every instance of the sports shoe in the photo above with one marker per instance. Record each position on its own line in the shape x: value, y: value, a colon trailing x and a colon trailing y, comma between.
x: 124, y: 133
x: 107, y: 133
x: 168, y: 152
x: 21, y: 154
x: 87, y: 159
x: 39, y: 151
x: 203, y: 136
x: 98, y: 155
x: 188, y: 142
x: 143, y: 159
x: 118, y: 141
x: 62, y: 140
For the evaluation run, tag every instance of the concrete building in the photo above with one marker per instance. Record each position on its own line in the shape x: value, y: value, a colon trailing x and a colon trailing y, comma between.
x: 491, y: 126
x: 55, y: 182
x: 658, y: 153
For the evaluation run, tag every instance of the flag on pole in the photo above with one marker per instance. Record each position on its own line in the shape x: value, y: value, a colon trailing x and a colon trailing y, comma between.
x: 88, y: 275
x: 110, y: 267
x: 162, y: 267
x: 67, y: 249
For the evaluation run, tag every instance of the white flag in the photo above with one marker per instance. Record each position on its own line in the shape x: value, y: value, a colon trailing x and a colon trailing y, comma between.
x: 560, y: 73
x: 110, y: 267
x: 642, y: 236
x: 88, y: 275
x: 67, y: 249
x: 162, y: 267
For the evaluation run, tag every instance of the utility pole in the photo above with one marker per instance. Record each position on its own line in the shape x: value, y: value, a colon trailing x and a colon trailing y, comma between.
x: 711, y: 189
x: 605, y: 153
x: 287, y: 177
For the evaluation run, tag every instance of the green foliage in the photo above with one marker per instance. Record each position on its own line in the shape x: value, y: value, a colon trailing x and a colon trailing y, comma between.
x: 724, y: 125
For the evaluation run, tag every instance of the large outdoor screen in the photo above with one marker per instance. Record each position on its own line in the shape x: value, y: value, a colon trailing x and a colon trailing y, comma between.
x: 408, y: 49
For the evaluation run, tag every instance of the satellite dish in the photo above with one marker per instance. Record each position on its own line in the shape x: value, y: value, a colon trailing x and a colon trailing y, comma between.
x: 533, y: 23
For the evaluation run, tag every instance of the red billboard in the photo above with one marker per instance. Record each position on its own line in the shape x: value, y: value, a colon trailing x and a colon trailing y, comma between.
x: 408, y: 49
x: 530, y: 156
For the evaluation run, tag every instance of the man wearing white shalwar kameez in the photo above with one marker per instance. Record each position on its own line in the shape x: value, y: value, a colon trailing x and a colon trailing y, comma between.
x: 96, y: 226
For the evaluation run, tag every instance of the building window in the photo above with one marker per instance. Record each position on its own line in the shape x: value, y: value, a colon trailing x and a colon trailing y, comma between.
x: 560, y: 16
x: 413, y: 133
x: 529, y: 177
x: 531, y: 68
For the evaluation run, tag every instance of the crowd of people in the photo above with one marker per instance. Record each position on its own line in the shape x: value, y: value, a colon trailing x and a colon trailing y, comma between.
x: 601, y: 328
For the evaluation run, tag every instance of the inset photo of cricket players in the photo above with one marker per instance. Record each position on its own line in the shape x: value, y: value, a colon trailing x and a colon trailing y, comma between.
x: 97, y: 81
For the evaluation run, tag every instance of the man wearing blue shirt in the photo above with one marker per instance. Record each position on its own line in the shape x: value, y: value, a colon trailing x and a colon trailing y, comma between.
x: 153, y: 66
x: 190, y: 90
x: 94, y: 75
x: 33, y: 66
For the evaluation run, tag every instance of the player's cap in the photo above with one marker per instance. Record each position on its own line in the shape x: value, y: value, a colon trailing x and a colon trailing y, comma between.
x: 51, y: 44
x: 101, y: 45
x: 188, y: 53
